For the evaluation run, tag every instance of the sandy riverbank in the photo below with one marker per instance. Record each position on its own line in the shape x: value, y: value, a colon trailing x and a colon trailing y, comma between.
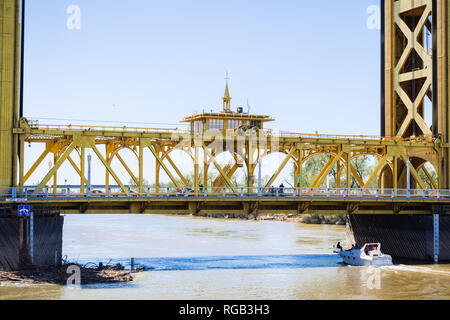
x: 307, y: 218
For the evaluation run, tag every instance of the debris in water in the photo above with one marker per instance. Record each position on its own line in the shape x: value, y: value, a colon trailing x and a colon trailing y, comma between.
x: 58, y: 275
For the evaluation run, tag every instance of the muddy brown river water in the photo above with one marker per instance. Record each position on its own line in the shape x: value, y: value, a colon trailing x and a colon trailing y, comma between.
x: 198, y: 258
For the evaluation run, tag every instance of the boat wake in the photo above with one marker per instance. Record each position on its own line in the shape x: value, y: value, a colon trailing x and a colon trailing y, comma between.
x: 426, y: 270
x: 233, y: 262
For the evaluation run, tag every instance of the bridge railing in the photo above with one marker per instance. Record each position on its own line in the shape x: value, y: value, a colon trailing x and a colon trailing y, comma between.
x: 133, y: 192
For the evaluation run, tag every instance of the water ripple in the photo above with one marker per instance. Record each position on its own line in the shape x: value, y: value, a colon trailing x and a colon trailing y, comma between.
x: 230, y: 262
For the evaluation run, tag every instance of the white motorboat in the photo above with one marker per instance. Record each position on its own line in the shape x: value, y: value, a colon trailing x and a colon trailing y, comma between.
x: 369, y: 255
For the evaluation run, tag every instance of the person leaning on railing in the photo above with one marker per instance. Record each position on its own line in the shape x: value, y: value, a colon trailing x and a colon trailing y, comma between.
x: 281, y: 189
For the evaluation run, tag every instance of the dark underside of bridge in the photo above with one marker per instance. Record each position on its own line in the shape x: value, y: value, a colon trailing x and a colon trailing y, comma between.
x: 409, y: 237
x: 240, y: 206
x: 402, y: 235
x: 15, y: 239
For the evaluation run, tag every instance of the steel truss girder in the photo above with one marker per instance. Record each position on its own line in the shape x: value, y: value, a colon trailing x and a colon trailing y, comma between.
x: 295, y: 149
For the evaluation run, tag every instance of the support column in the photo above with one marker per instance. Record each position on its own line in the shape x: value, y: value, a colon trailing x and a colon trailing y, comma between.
x: 196, y: 165
x: 55, y: 176
x: 349, y: 170
x: 395, y: 173
x: 141, y: 167
x: 298, y: 169
x: 205, y: 169
x: 436, y: 238
x: 157, y: 171
x: 338, y: 174
x: 250, y: 163
x: 82, y: 168
x: 9, y: 76
x: 107, y: 175
x: 22, y: 161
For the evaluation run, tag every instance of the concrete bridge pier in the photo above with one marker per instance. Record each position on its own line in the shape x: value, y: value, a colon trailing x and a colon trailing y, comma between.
x: 22, y: 247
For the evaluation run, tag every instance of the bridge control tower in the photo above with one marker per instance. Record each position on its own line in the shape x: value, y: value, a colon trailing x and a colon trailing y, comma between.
x: 229, y: 123
x: 226, y: 121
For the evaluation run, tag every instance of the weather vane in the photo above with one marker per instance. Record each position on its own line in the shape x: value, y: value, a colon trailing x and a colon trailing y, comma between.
x: 227, y: 77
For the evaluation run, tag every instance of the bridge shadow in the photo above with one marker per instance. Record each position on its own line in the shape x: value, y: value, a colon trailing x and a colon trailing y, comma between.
x: 233, y: 262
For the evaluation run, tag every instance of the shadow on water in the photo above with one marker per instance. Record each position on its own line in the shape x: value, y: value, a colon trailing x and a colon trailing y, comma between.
x: 231, y: 262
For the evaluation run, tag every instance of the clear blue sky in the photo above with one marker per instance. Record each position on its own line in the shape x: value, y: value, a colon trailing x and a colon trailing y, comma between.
x: 313, y: 65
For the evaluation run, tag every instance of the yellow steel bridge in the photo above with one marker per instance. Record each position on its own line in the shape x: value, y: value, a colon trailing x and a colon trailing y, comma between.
x: 411, y: 75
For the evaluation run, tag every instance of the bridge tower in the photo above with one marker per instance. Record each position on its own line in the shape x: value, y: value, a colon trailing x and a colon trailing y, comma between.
x: 9, y: 90
x: 414, y: 107
x: 415, y: 65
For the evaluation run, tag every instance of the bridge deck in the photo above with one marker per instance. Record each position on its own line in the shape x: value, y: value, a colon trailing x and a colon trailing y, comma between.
x: 229, y: 201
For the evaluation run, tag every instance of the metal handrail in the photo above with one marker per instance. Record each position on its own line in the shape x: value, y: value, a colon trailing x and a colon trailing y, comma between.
x: 133, y: 192
x: 184, y: 131
x: 106, y: 128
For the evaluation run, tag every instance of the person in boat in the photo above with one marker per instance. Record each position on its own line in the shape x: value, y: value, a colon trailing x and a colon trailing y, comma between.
x: 339, y: 246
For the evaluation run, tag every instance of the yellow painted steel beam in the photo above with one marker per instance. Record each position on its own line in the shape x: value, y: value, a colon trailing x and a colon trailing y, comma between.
x: 299, y: 169
x: 250, y: 150
x: 281, y: 167
x: 55, y: 176
x: 9, y: 68
x: 338, y: 174
x: 414, y: 173
x: 321, y: 180
x: 229, y: 172
x: 174, y: 166
x: 196, y: 166
x: 322, y: 171
x: 161, y: 163
x: 35, y: 165
x: 83, y: 166
x: 375, y: 172
x: 56, y: 166
x: 157, y: 171
x: 82, y: 177
x: 351, y: 171
x: 22, y: 161
x: 395, y: 173
x: 224, y: 175
x: 127, y: 169
x: 355, y: 174
x: 141, y: 166
x: 348, y: 176
x: 47, y: 135
x: 205, y: 169
x: 427, y: 173
x: 108, y: 167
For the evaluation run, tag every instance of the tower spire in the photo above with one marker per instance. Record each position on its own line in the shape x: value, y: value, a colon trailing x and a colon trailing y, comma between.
x: 226, y: 97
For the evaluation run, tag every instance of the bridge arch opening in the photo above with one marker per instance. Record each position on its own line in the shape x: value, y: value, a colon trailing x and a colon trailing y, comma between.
x: 425, y: 170
x: 124, y: 161
x: 232, y: 164
x: 365, y: 165
x: 273, y: 173
x: 179, y: 162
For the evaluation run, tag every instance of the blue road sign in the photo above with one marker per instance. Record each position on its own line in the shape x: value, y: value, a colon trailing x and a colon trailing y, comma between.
x: 24, y: 211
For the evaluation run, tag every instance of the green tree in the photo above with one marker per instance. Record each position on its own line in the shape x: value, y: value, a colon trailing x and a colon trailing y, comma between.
x: 425, y: 178
x: 363, y: 165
